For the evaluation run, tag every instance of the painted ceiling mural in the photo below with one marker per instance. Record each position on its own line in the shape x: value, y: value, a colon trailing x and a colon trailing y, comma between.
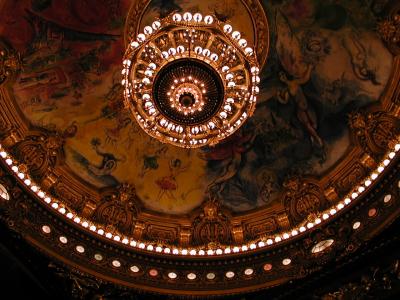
x: 325, y: 61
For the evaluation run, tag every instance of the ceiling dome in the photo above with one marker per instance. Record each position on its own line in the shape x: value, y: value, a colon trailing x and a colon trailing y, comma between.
x: 144, y: 160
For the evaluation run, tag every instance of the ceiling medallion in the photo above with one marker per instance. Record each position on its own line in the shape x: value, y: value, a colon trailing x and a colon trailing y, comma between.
x: 190, y: 80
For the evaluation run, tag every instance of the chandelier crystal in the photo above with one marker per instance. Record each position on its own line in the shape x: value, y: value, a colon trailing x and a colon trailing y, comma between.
x: 190, y: 80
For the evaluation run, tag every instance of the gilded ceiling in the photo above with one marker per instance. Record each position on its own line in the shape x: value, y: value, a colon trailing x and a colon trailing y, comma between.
x: 325, y: 128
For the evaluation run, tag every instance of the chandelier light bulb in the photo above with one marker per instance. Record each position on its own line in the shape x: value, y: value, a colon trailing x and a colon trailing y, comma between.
x: 134, y: 44
x: 214, y: 57
x: 172, y: 51
x: 177, y: 17
x: 198, y: 50
x: 229, y: 76
x: 141, y: 37
x: 156, y: 25
x: 248, y: 51
x: 148, y: 30
x: 180, y: 49
x: 206, y: 52
x: 236, y: 35
x: 208, y: 19
x: 242, y: 42
x: 187, y: 16
x: 227, y: 28
x: 197, y: 17
x: 165, y: 54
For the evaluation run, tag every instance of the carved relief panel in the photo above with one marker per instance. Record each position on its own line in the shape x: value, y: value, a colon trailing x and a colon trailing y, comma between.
x: 118, y: 211
x: 389, y: 29
x: 211, y: 226
x: 374, y: 131
x: 303, y: 198
x: 10, y: 62
x: 39, y: 151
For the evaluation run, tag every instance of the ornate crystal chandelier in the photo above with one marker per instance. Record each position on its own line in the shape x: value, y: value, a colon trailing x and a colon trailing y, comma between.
x: 190, y: 80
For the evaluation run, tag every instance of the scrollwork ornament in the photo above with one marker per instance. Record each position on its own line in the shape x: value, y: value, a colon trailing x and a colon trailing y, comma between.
x: 350, y: 178
x: 118, y: 210
x: 211, y: 226
x: 389, y: 30
x: 161, y: 234
x: 302, y: 199
x: 9, y: 134
x: 261, y: 29
x: 10, y: 62
x: 72, y: 198
x: 374, y: 131
x: 40, y: 151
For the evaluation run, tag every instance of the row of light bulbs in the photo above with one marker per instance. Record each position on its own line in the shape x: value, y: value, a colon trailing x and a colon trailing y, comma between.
x: 171, y: 275
x: 318, y: 247
x: 208, y: 20
x: 13, y: 165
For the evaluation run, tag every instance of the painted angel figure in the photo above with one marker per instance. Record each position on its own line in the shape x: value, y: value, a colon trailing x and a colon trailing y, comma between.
x: 290, y: 55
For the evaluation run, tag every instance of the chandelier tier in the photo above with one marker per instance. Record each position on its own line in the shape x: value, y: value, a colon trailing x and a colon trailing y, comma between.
x: 188, y: 91
x: 190, y: 80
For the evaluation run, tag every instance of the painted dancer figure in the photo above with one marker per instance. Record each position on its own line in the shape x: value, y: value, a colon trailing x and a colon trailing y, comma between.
x: 168, y: 184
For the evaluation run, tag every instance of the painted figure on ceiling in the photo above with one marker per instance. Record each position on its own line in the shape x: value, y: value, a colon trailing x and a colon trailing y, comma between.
x: 102, y: 171
x: 359, y: 58
x: 108, y: 164
x: 150, y: 159
x: 168, y: 184
x: 290, y: 54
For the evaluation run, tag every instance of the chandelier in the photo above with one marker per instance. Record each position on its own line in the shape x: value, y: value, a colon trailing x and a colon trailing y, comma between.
x: 190, y: 80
